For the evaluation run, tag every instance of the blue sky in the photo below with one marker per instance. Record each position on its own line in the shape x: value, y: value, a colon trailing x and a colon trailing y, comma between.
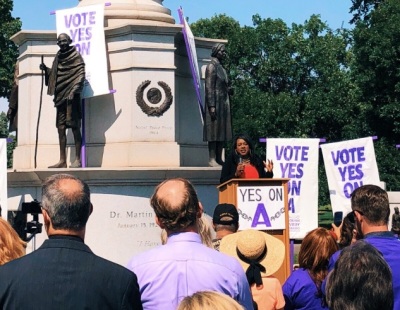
x: 35, y: 14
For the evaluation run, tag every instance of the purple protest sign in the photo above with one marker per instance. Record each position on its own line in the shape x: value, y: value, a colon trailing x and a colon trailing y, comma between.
x: 192, y: 55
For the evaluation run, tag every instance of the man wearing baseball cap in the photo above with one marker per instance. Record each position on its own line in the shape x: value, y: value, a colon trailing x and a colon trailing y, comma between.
x: 225, y: 222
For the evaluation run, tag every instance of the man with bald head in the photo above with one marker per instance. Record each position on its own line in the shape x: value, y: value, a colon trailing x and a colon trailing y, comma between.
x: 184, y: 265
x: 64, y: 273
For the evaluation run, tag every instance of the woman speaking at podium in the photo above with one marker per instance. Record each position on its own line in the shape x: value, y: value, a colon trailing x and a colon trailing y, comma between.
x: 244, y: 163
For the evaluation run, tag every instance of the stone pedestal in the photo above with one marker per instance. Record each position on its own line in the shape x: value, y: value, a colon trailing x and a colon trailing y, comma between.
x: 149, y: 70
x: 146, y: 131
x: 122, y: 223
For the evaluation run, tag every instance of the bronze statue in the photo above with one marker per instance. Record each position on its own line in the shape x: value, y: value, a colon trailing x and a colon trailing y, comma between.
x: 13, y: 101
x: 396, y: 221
x: 65, y: 81
x: 217, y: 122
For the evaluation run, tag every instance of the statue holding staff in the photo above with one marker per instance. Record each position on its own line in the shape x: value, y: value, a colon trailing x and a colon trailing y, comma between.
x: 65, y: 81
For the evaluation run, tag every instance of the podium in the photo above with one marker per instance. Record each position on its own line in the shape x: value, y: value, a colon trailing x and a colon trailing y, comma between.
x: 263, y: 205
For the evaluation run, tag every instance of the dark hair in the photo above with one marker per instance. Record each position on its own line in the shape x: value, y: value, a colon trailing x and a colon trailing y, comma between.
x: 373, y: 202
x: 346, y: 231
x: 315, y: 250
x: 68, y: 208
x: 361, y: 280
x: 66, y: 36
x: 236, y: 156
x: 216, y: 48
x: 176, y: 217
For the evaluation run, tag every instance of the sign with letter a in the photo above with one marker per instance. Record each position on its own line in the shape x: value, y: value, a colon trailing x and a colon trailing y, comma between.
x: 261, y: 207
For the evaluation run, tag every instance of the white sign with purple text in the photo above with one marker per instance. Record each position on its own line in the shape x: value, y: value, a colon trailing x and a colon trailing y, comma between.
x: 192, y: 54
x: 297, y: 159
x: 349, y: 165
x: 3, y: 177
x: 261, y: 207
x: 85, y: 26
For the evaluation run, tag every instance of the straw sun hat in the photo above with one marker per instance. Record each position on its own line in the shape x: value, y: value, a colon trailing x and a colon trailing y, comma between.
x: 251, y: 244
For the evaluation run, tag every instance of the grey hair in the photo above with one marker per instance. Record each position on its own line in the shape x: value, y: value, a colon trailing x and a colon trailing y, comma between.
x: 68, y: 211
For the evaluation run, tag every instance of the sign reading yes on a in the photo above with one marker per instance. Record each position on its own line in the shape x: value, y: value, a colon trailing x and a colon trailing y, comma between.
x: 261, y: 207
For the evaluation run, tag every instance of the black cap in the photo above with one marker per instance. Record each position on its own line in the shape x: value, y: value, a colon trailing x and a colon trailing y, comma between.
x: 226, y: 211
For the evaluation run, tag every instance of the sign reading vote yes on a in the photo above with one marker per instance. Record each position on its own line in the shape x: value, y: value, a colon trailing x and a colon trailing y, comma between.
x: 261, y: 207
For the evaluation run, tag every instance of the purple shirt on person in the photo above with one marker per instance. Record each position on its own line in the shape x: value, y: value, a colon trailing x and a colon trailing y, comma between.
x: 386, y: 243
x: 300, y: 292
x: 183, y: 266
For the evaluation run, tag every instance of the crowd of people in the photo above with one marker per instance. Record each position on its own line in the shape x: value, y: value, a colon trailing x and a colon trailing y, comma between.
x: 191, y: 271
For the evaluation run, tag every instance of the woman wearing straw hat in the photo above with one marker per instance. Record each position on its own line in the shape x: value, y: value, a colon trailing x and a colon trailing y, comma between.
x: 302, y: 290
x: 260, y: 255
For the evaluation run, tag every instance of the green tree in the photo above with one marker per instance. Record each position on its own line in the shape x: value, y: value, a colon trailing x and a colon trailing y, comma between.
x: 290, y: 81
x: 9, y: 53
x: 219, y: 27
x: 8, y: 50
x: 362, y: 9
x: 375, y: 70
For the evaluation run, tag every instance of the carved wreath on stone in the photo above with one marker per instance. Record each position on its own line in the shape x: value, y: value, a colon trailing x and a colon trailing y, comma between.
x: 154, y: 97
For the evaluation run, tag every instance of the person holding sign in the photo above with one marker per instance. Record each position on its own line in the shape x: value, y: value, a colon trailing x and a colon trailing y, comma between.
x: 65, y: 81
x: 244, y: 163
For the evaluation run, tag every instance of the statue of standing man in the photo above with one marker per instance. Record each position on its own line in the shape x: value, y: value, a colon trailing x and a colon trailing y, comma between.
x: 65, y: 81
x: 217, y: 123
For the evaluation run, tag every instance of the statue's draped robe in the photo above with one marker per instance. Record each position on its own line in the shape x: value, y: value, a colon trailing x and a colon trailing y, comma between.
x: 67, y: 76
x: 217, y: 95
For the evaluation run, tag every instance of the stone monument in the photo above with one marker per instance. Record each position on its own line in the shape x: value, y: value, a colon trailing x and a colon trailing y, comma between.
x: 146, y: 130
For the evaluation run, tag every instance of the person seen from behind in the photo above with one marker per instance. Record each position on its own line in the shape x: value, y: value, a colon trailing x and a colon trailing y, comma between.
x: 302, y: 290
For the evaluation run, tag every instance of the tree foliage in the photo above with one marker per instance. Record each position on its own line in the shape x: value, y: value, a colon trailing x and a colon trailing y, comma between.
x: 8, y: 50
x: 376, y: 73
x: 362, y: 9
x: 310, y: 81
x: 9, y: 53
x: 376, y: 69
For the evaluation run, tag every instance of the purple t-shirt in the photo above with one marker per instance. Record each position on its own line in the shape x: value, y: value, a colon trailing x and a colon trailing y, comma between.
x: 300, y: 292
x: 386, y: 243
x: 183, y: 266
